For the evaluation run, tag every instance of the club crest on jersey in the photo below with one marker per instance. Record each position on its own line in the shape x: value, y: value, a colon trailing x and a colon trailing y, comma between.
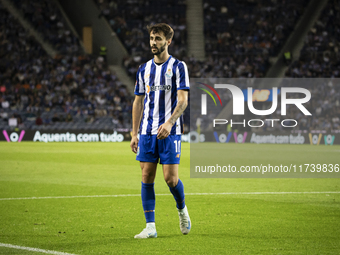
x: 168, y: 73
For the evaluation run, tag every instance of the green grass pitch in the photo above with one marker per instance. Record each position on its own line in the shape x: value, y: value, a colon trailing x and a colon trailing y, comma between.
x: 77, y: 214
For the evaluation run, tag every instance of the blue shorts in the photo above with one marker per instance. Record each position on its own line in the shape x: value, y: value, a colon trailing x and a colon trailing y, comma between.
x: 168, y: 150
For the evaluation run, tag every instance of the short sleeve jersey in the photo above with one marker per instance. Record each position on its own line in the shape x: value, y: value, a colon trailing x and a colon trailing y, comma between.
x: 159, y: 84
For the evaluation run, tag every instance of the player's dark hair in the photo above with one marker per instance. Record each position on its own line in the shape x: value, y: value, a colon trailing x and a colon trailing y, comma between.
x: 165, y: 28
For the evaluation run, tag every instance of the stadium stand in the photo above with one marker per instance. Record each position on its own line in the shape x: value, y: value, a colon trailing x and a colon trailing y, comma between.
x: 248, y: 33
x: 240, y: 36
x: 135, y: 38
x: 319, y: 58
x: 250, y: 27
x: 130, y: 18
x: 320, y: 54
x: 48, y: 21
x: 78, y: 91
x: 42, y: 92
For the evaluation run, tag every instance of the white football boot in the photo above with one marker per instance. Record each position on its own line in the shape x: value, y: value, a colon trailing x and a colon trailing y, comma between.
x: 184, y: 220
x: 148, y: 232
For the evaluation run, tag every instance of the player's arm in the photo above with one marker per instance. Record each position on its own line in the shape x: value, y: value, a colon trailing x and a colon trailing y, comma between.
x: 137, y: 112
x: 182, y: 103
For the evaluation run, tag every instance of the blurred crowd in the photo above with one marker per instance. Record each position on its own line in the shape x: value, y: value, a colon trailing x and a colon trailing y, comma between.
x: 248, y: 27
x: 38, y: 89
x: 320, y: 53
x: 47, y: 19
x: 240, y: 37
x: 320, y: 59
x: 132, y: 31
x: 129, y: 20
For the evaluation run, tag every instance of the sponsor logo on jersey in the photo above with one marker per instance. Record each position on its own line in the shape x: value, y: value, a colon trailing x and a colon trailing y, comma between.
x: 156, y: 88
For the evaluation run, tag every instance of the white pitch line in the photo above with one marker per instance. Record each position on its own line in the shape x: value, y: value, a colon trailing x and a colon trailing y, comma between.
x: 34, y: 249
x: 266, y: 193
x: 169, y: 194
x: 28, y: 198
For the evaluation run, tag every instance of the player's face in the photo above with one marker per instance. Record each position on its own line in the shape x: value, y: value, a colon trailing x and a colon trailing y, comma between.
x: 158, y: 43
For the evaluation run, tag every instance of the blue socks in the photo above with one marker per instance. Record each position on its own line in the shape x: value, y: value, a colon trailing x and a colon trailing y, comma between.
x: 178, y: 193
x: 148, y: 201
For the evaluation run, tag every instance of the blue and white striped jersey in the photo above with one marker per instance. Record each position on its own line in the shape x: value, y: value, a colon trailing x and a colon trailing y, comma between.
x: 159, y: 84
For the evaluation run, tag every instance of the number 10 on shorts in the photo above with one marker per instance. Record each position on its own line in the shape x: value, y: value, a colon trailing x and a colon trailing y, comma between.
x: 178, y: 146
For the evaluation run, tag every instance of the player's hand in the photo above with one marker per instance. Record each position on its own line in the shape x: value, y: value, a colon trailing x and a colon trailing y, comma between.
x: 134, y: 144
x: 164, y: 130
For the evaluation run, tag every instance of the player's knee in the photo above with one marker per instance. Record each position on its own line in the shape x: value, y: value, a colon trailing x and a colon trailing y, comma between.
x: 148, y: 177
x: 171, y: 182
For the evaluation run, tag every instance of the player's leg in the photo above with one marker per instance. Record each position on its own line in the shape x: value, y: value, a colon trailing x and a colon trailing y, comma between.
x: 148, y: 162
x: 148, y: 191
x: 170, y: 172
x: 169, y: 153
x: 148, y: 199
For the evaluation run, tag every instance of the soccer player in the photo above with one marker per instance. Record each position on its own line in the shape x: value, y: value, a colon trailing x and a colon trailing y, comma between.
x: 161, y: 91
